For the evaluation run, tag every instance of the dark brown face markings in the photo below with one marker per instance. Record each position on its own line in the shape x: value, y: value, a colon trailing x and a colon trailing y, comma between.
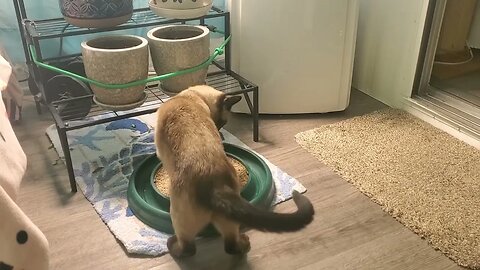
x: 22, y: 237
x: 228, y: 102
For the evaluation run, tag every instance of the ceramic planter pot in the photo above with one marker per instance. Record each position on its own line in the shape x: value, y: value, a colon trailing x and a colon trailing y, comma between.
x: 178, y: 47
x: 117, y: 59
x: 178, y: 9
x: 96, y: 13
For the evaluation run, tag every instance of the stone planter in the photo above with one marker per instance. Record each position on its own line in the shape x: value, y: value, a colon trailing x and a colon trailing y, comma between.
x: 178, y: 47
x: 96, y: 14
x: 175, y: 9
x: 117, y: 59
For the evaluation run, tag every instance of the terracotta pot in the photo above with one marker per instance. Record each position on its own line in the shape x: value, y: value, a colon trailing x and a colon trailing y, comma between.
x: 97, y: 13
x: 117, y: 59
x: 178, y: 9
x: 178, y: 47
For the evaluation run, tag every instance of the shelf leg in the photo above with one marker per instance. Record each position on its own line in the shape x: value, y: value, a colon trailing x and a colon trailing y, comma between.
x: 228, y: 51
x: 38, y: 105
x: 253, y: 107
x: 62, y: 134
x: 255, y: 114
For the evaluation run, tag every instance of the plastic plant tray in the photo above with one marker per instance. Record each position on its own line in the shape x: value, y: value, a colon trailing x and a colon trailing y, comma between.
x: 152, y: 207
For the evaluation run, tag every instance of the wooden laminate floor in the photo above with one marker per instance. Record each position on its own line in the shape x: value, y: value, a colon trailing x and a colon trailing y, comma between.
x: 349, y: 230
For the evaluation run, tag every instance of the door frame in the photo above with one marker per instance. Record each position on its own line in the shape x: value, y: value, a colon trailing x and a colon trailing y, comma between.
x: 431, y: 34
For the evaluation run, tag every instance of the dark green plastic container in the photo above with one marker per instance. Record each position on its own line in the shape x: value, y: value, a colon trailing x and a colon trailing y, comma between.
x: 151, y: 207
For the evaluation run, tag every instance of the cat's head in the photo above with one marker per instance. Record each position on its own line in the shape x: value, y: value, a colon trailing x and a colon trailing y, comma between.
x: 219, y: 103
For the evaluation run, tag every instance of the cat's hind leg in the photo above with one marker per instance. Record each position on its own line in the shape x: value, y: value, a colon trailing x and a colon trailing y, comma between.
x: 180, y: 247
x: 234, y: 241
x: 187, y: 223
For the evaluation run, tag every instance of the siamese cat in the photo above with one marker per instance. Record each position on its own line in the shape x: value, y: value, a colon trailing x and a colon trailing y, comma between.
x: 204, y: 187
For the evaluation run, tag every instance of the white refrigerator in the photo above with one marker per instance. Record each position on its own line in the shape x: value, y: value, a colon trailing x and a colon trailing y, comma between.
x: 300, y: 53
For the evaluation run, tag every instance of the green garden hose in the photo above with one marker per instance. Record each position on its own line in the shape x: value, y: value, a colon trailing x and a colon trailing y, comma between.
x: 218, y: 51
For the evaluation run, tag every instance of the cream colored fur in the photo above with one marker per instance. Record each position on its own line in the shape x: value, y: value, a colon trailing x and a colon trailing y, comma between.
x: 190, y: 147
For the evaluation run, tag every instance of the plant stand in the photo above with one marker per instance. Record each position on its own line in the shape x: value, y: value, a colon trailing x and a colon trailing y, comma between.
x: 69, y: 112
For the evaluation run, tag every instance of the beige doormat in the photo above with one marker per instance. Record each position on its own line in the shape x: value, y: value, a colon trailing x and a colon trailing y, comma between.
x: 423, y: 177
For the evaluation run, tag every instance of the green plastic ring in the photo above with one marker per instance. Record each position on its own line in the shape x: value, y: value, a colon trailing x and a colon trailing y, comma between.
x: 152, y: 208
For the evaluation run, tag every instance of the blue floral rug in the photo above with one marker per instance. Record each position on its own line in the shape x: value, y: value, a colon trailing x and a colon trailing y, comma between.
x: 105, y: 156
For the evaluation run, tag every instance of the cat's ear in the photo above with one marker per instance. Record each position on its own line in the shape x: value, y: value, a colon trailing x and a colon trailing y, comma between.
x: 229, y: 101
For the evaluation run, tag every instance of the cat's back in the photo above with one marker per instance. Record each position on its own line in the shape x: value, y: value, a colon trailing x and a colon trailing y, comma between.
x: 189, y: 143
x: 184, y: 124
x: 182, y: 116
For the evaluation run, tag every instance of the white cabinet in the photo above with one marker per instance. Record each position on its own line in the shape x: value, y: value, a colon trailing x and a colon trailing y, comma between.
x: 300, y: 53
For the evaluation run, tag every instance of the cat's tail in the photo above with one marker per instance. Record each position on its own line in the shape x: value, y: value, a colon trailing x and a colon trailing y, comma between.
x: 233, y: 206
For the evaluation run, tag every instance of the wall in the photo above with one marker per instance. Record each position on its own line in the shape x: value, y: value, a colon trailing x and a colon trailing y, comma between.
x: 9, y: 33
x: 388, y: 44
